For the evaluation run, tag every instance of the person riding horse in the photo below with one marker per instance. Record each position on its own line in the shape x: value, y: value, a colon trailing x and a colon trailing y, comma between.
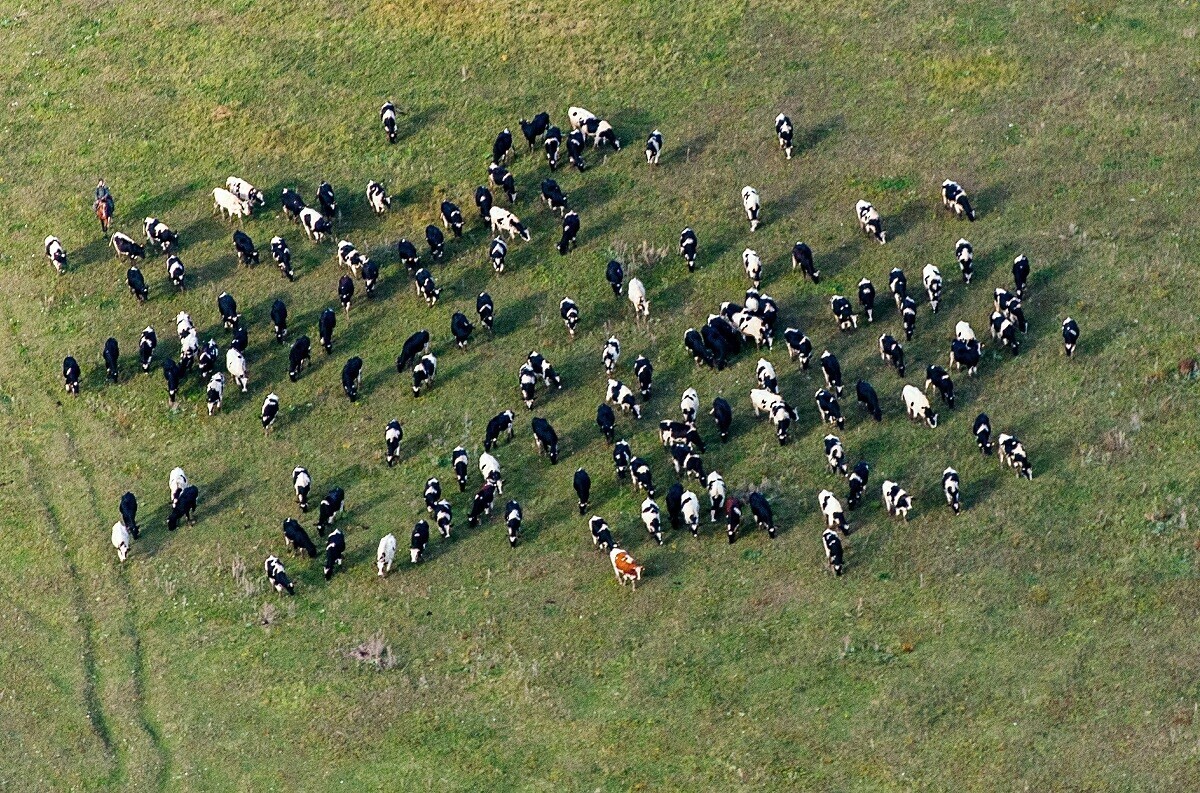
x: 103, y: 205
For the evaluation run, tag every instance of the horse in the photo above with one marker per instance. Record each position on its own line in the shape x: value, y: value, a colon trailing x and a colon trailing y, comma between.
x: 104, y: 210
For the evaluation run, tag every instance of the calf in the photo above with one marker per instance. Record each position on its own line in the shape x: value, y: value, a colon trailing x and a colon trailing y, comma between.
x: 56, y: 255
x: 918, y: 406
x: 270, y: 410
x: 278, y: 576
x: 423, y: 374
x: 866, y: 298
x: 601, y: 535
x: 128, y: 508
x: 606, y: 421
x: 461, y: 464
x: 701, y: 354
x: 687, y: 248
x: 1012, y: 453
x: 982, y: 430
x: 301, y: 484
x: 414, y: 346
x: 160, y: 234
x: 496, y: 252
x: 499, y: 424
x: 752, y: 205
x: 654, y: 145
x: 512, y: 521
x: 352, y: 377
x: 316, y: 227
x: 418, y: 540
x: 293, y: 204
x: 843, y: 313
x: 955, y: 199
x: 551, y: 144
x: 833, y: 372
x: 532, y: 130
x: 436, y: 241
x: 892, y: 353
x: 500, y: 177
x: 111, y: 355
x: 554, y: 197
x: 689, y: 512
x: 622, y: 456
x: 835, y: 516
x: 502, y: 146
x: 621, y: 395
x: 426, y: 288
x: 297, y: 539
x: 121, y: 540
x: 1070, y: 336
x: 830, y: 410
x: 614, y: 273
x: 870, y: 221
x: 652, y: 519
x: 443, y: 516
x: 235, y: 364
x: 835, y: 454
x: 327, y: 200
x: 378, y: 198
x: 486, y: 310
x: 385, y: 554
x: 857, y: 481
x: 329, y: 508
x: 951, y: 488
x: 452, y: 217
x: 460, y: 329
x: 325, y: 325
x: 939, y: 378
x: 761, y: 509
x: 964, y: 254
x: 802, y: 257
x: 799, y: 346
x: 504, y: 221
x: 908, y: 316
x: 298, y: 356
x: 137, y: 284
x: 625, y: 568
x: 387, y: 117
x: 753, y: 264
x: 279, y: 318
x: 545, y: 439
x: 868, y: 399
x: 833, y: 551
x: 583, y: 489
x: 931, y: 277
x: 610, y: 354
x: 784, y: 131
x: 245, y: 191
x: 1020, y: 271
x: 689, y: 405
x: 283, y: 257
x: 489, y: 468
x: 175, y: 271
x: 481, y: 505
x: 637, y: 296
x: 722, y: 414
x: 227, y: 307
x: 335, y: 551
x: 896, y: 499
x: 229, y: 205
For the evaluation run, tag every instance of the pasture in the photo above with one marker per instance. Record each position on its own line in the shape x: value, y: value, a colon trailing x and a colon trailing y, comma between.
x: 1045, y: 639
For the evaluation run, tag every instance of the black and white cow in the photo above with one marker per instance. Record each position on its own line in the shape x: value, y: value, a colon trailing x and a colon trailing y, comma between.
x: 843, y: 313
x: 298, y: 356
x: 543, y: 368
x: 512, y: 521
x: 270, y: 410
x: 387, y: 117
x: 982, y: 430
x: 833, y: 372
x: 908, y: 317
x: 830, y: 410
x: 486, y: 309
x: 327, y: 200
x: 643, y: 370
x: 898, y: 284
x: 833, y: 551
x: 432, y: 493
x: 1070, y: 336
x: 583, y: 489
x: 722, y: 414
x: 715, y: 484
x: 345, y: 291
x: 481, y: 504
x: 460, y: 329
x: 443, y: 516
x: 352, y: 377
x: 701, y: 354
x: 870, y: 221
x: 866, y: 298
x: 601, y: 132
x: 896, y: 499
x: 764, y: 372
x: 545, y: 439
x: 425, y: 287
x: 111, y: 354
x: 868, y: 399
x: 569, y: 312
x: 1012, y: 308
x: 171, y: 374
x: 128, y: 508
x: 527, y: 379
x: 955, y: 199
x: 244, y: 191
x: 436, y: 241
x: 502, y: 146
x: 297, y: 539
x: 414, y: 346
x: 780, y: 412
x: 799, y: 346
x: 752, y: 205
x: 689, y: 405
x: 1020, y: 271
x: 621, y: 395
x: 687, y: 462
x: 939, y: 378
x: 418, y: 540
x: 452, y: 217
x: 951, y: 487
x: 551, y: 143
x: 733, y: 518
x: 146, y: 345
x: 601, y: 535
x: 622, y: 454
x: 857, y: 482
x: 917, y: 406
x: 126, y: 248
x: 687, y: 248
x: 214, y: 392
x: 606, y: 420
x: 502, y: 178
x: 240, y: 339
x: 316, y: 227
x: 802, y: 257
x: 496, y: 252
x: 407, y: 253
x: 614, y: 273
x: 159, y: 234
x: 462, y: 466
x: 175, y: 271
x: 378, y: 198
x: 189, y: 348
x: 892, y: 353
x: 931, y: 277
x: 654, y: 145
x: 652, y: 519
x: 532, y: 130
x: 964, y: 254
x: 247, y: 254
x: 835, y: 454
x: 1012, y: 453
x: 283, y: 257
x: 642, y: 478
x: 335, y: 551
x: 784, y: 131
x: 554, y: 197
x: 965, y: 354
x: 570, y: 231
x: 680, y: 433
x: 610, y: 354
x: 423, y: 374
x: 835, y: 516
x: 329, y: 508
x: 761, y: 509
x: 752, y: 262
x: 1006, y: 332
x: 301, y: 483
x: 137, y: 284
x: 293, y: 204
x: 689, y: 510
x: 184, y: 507
x: 227, y: 307
x: 56, y: 255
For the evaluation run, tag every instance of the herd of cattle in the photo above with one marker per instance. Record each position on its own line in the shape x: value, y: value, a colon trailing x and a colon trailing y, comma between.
x: 720, y: 338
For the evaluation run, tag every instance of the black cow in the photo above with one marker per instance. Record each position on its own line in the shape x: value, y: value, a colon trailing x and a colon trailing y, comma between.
x: 279, y: 316
x: 486, y: 310
x: 325, y: 326
x: 329, y: 508
x: 460, y: 329
x: 675, y: 505
x: 644, y: 371
x: 857, y: 480
x: 939, y: 378
x: 452, y: 217
x: 327, y: 200
x: 733, y: 518
x: 528, y: 382
x: 433, y: 492
x: 570, y: 230
x: 501, y: 177
x: 345, y: 290
x: 722, y: 414
x: 952, y: 487
x: 1070, y: 335
x: 436, y: 241
x: 352, y: 377
x: 240, y: 339
x: 160, y: 234
x: 687, y: 248
x: 799, y: 346
x: 298, y: 356
x: 802, y: 257
x: 715, y: 342
x: 955, y: 199
x: 293, y: 204
x: 137, y: 284
x: 552, y: 143
x: 554, y: 197
x: 622, y: 455
x: 614, y: 273
x: 111, y: 354
x: 335, y: 550
x: 545, y: 439
x: 1006, y: 332
x: 227, y: 307
x: 532, y: 130
x: 866, y: 298
x: 392, y: 435
x: 982, y: 430
x: 1020, y: 271
x: 482, y: 504
x: 498, y: 425
x: 833, y: 371
x: 370, y: 276
x: 831, y: 411
x: 583, y: 489
x: 171, y: 374
x: 892, y: 353
x: 387, y: 116
x: 146, y: 345
x: 483, y: 202
x: 761, y: 510
x: 128, y: 509
x: 699, y: 350
x: 575, y: 143
x: 898, y: 284
x: 458, y: 459
x: 868, y: 399
x: 512, y: 521
x: 283, y: 257
x: 606, y: 420
x: 502, y: 146
x: 642, y: 477
x: 415, y: 345
x: 297, y: 539
x: 184, y: 507
x: 247, y: 254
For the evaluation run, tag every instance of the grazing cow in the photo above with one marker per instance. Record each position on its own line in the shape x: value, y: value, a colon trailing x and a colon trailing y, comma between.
x: 780, y: 412
x: 601, y: 535
x: 982, y: 430
x: 111, y: 354
x: 965, y: 354
x: 857, y: 480
x: 964, y: 254
x: 436, y: 241
x: 952, y: 489
x: 866, y: 298
x: 701, y: 354
x: 298, y: 356
x: 352, y: 377
x: 625, y: 568
x: 414, y: 345
x: 1070, y: 336
x: 583, y: 489
x: 387, y: 117
x: 835, y: 454
x: 579, y: 116
x: 722, y: 336
x: 644, y: 371
x: 687, y: 248
x: 799, y: 346
x: 316, y: 227
x: 1020, y: 271
x: 891, y: 353
x: 512, y: 521
x: 370, y: 273
x: 502, y: 220
x: 642, y: 478
x: 443, y: 516
x: 227, y: 307
x: 833, y: 372
x: 184, y: 324
x: 378, y: 198
x: 753, y: 264
x: 426, y: 288
x: 293, y: 204
x: 229, y: 205
x: 675, y: 505
x: 652, y: 519
x: 121, y: 540
x: 955, y: 199
x: 1012, y: 453
x: 765, y: 373
x: 432, y: 493
x: 752, y: 205
x: 527, y: 379
x: 733, y: 518
x: 835, y: 516
x: 452, y: 217
x: 283, y: 257
x: 570, y: 230
x: 56, y: 254
x: 532, y: 130
x: 545, y: 439
x: 301, y: 483
x: 680, y: 433
x: 896, y: 499
x: 498, y: 425
x: 175, y: 271
x: 489, y: 468
x: 423, y: 374
x: 481, y: 505
x: 270, y: 409
x: 761, y: 509
x: 160, y: 234
x: 614, y: 273
x: 654, y: 145
x: 460, y: 329
x: 843, y: 312
x: 128, y: 509
x: 335, y: 550
x: 391, y: 437
x: 327, y: 200
x: 214, y: 391
x: 606, y: 421
x: 297, y: 539
x: 502, y: 146
x: 496, y: 252
x: 868, y: 399
x: 784, y: 131
x: 349, y: 256
x: 1011, y: 307
x: 689, y: 512
x: 278, y: 576
x: 461, y: 464
x: 554, y: 197
x: 601, y: 132
x: 939, y: 378
x: 610, y: 354
x: 386, y: 554
x: 622, y: 455
x: 802, y: 257
x: 689, y: 405
x: 500, y: 177
x: 1006, y: 332
x: 329, y: 508
x: 245, y: 191
x: 830, y: 410
x: 637, y: 296
x: 176, y: 481
x: 898, y: 284
x: 137, y: 284
x: 171, y: 373
x: 189, y: 347
x: 185, y: 507
x: 551, y: 143
x: 870, y: 221
x: 279, y: 317
x: 486, y: 309
x: 931, y: 276
x: 908, y: 317
x: 687, y: 462
x: 918, y: 406
x: 621, y: 395
x: 722, y: 414
x: 235, y: 364
x: 325, y: 325
x: 833, y: 551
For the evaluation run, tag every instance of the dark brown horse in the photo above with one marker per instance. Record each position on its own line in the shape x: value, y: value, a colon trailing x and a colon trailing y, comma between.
x: 104, y: 210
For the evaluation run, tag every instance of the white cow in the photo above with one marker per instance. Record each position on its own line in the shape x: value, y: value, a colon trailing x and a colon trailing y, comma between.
x: 230, y: 205
x: 386, y: 554
x: 896, y: 499
x: 753, y: 264
x: 752, y: 206
x: 235, y: 364
x: 245, y: 192
x: 579, y: 116
x: 177, y: 482
x: 503, y: 220
x: 831, y: 508
x: 690, y: 405
x: 689, y: 507
x: 716, y: 494
x: 870, y: 221
x: 489, y: 467
x: 121, y: 540
x: 637, y: 296
x: 918, y: 406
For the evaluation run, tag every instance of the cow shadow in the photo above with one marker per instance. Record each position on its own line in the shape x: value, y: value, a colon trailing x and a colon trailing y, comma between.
x: 990, y: 199
x: 811, y: 137
x: 695, y: 146
x: 517, y: 315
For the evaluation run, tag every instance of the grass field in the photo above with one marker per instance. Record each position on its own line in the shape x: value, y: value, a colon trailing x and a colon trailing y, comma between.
x: 1044, y: 640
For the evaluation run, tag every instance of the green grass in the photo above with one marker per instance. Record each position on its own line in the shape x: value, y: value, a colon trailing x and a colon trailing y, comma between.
x: 1043, y: 640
